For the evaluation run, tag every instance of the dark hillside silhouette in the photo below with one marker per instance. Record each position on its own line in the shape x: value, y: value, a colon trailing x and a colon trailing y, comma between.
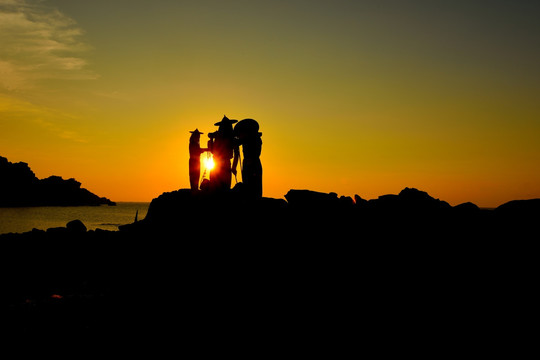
x: 308, y: 266
x: 19, y: 186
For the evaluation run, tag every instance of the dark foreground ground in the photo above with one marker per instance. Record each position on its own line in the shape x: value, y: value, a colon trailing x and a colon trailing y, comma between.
x: 315, y: 271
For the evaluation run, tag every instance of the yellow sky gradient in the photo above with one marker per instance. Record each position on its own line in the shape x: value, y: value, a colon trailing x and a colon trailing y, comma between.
x: 351, y: 97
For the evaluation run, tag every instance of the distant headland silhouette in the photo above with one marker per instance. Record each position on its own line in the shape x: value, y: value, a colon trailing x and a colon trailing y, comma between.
x: 19, y: 187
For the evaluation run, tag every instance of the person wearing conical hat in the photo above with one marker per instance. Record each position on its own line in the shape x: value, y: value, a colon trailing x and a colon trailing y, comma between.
x: 223, y: 149
x: 248, y: 136
x: 195, y: 152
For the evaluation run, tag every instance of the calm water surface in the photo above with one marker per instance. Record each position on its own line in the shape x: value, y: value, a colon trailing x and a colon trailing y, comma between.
x: 104, y: 217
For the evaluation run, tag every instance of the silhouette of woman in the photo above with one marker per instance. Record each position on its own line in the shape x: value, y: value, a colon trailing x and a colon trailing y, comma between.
x: 195, y: 152
x: 248, y: 135
x: 223, y: 148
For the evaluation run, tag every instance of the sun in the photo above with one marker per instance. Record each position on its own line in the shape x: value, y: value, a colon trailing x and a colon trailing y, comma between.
x: 209, y: 162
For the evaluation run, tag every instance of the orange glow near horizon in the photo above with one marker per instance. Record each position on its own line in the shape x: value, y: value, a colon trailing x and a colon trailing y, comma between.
x: 351, y: 97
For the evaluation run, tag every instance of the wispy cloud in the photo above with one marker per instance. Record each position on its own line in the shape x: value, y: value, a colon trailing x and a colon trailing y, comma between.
x: 39, y: 42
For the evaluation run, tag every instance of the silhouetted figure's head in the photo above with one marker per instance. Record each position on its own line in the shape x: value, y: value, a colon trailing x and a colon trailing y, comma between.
x: 195, y: 136
x: 225, y: 125
x: 247, y: 128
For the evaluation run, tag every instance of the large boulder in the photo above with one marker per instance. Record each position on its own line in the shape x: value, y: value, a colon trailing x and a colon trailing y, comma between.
x: 76, y: 226
x: 521, y: 207
x: 214, y: 215
x: 421, y: 200
x: 309, y: 199
x: 467, y: 209
x: 409, y: 201
x: 520, y: 210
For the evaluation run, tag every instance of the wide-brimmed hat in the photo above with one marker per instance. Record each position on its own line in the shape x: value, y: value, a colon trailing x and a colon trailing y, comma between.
x: 196, y: 131
x: 225, y: 120
x: 246, y: 126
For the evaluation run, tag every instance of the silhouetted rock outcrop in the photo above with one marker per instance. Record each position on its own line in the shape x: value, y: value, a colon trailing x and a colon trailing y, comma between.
x: 359, y: 201
x: 76, y: 226
x: 313, y: 260
x: 467, y: 209
x: 309, y: 215
x: 307, y: 199
x: 19, y: 186
x: 526, y: 208
x: 408, y: 201
x: 517, y: 216
x: 193, y: 213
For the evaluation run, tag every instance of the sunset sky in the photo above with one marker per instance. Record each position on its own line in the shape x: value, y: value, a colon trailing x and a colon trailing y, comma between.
x: 355, y: 97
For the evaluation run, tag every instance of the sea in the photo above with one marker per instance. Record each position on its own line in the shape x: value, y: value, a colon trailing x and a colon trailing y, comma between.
x: 23, y: 219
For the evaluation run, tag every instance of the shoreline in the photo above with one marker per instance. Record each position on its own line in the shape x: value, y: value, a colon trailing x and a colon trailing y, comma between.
x: 23, y: 219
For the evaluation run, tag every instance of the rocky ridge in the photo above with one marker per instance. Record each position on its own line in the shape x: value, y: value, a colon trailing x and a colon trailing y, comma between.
x: 19, y: 187
x: 309, y: 265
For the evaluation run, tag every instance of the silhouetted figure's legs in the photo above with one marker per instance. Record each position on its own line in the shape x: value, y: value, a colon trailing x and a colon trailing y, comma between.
x: 195, y: 152
x: 251, y: 142
x: 221, y: 175
x: 252, y: 176
x: 194, y: 173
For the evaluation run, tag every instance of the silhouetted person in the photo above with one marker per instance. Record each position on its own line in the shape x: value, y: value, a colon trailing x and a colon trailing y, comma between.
x: 195, y: 152
x: 223, y: 147
x: 248, y: 135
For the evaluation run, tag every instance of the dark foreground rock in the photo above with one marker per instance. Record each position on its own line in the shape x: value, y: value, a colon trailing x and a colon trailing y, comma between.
x: 315, y: 269
x: 19, y: 186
